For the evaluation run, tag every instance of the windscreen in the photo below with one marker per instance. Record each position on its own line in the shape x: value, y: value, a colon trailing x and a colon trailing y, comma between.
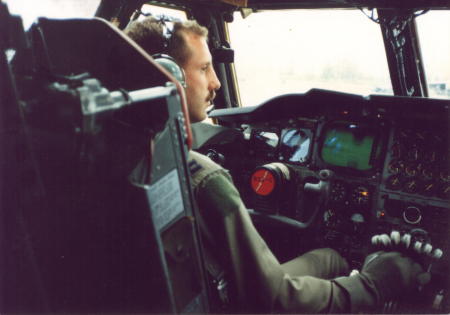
x: 292, y: 51
x: 433, y: 28
x: 30, y: 10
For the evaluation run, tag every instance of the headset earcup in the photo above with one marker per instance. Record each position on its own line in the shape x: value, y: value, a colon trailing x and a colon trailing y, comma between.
x: 168, y: 63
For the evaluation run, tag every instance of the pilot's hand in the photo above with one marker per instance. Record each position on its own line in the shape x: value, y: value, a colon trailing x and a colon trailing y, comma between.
x: 420, y: 250
x: 391, y: 275
x: 384, y: 278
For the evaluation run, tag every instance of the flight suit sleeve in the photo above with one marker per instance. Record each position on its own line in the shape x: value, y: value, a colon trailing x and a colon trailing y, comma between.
x: 261, y: 283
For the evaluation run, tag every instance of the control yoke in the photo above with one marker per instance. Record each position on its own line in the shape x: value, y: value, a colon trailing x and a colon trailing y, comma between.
x: 320, y: 189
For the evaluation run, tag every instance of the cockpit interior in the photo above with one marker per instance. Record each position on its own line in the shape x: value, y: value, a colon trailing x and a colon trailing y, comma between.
x: 317, y: 163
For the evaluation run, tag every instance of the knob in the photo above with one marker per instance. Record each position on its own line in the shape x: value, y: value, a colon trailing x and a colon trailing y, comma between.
x: 437, y: 253
x: 418, y: 247
x: 427, y: 248
x: 395, y: 237
x: 406, y: 240
x: 385, y: 240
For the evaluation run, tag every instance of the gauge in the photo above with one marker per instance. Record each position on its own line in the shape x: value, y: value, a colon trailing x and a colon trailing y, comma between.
x: 414, y: 154
x: 430, y: 157
x: 396, y: 167
x: 411, y: 186
x: 397, y: 150
x: 428, y: 188
x: 444, y: 191
x: 412, y: 169
x: 295, y: 145
x: 437, y: 140
x: 338, y: 191
x: 404, y: 135
x: 428, y: 173
x: 444, y: 176
x: 360, y: 195
x: 419, y: 136
x: 394, y: 182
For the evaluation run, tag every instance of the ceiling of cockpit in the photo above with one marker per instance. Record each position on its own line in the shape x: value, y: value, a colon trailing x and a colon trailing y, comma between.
x: 278, y: 4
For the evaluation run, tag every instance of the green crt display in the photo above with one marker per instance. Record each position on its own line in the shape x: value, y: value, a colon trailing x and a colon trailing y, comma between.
x: 348, y: 145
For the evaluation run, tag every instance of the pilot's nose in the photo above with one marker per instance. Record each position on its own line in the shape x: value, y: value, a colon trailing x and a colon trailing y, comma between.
x: 214, y: 83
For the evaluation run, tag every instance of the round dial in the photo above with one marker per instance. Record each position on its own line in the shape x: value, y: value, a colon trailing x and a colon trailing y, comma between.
x: 360, y: 195
x: 419, y: 137
x: 394, y: 182
x: 411, y: 186
x: 404, y: 135
x: 412, y: 215
x: 414, y: 154
x: 428, y: 173
x: 444, y: 176
x: 397, y: 150
x: 396, y: 167
x: 412, y: 169
x: 428, y: 188
x: 430, y: 157
x: 444, y: 191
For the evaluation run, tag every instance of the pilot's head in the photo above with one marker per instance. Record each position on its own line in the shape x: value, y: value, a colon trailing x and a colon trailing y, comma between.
x: 187, y: 43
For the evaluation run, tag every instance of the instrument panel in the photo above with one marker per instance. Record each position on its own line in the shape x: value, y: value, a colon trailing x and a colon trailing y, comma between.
x: 389, y: 157
x: 418, y: 163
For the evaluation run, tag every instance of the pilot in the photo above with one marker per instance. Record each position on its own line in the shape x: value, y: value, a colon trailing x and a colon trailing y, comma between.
x: 317, y: 281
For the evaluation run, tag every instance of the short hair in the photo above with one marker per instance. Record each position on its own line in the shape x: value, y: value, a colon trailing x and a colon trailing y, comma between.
x: 149, y: 34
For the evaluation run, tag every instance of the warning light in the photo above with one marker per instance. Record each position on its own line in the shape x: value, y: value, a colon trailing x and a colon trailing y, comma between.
x: 263, y: 182
x: 365, y: 193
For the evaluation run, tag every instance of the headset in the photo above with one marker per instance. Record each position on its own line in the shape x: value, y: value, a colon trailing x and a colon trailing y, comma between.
x: 163, y: 59
x: 169, y: 63
x: 223, y: 54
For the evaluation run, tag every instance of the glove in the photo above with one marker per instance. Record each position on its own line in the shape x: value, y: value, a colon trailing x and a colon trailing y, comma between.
x: 411, y: 244
x: 391, y: 275
x: 385, y: 276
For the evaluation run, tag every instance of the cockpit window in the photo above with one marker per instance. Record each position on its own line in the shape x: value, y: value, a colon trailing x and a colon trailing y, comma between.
x: 30, y: 10
x: 433, y: 28
x: 155, y: 10
x: 292, y: 51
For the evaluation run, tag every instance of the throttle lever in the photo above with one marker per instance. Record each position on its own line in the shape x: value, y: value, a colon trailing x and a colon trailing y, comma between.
x: 410, y: 245
x: 414, y: 246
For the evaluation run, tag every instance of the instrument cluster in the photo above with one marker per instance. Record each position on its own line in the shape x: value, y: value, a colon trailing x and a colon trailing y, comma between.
x: 418, y: 164
x: 351, y: 195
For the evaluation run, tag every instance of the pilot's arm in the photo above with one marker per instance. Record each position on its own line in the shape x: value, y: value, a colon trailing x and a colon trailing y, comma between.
x: 261, y: 282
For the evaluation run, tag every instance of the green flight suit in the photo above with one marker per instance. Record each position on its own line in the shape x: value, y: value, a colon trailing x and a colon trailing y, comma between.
x: 302, y: 285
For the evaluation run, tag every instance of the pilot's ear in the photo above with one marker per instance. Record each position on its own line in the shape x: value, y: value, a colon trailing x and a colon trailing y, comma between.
x: 169, y: 63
